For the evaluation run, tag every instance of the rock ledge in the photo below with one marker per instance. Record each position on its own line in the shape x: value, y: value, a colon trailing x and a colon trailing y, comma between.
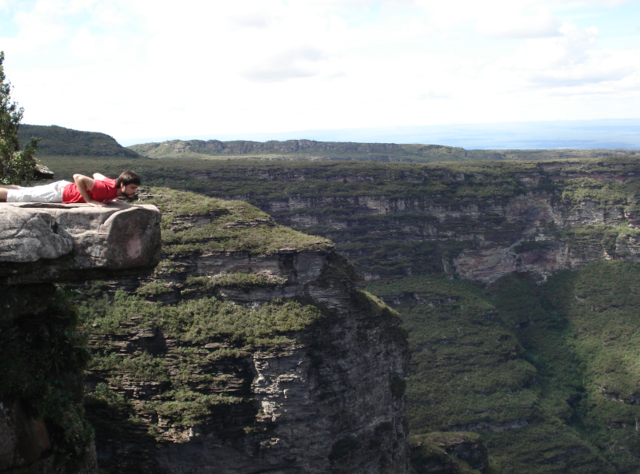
x: 70, y: 242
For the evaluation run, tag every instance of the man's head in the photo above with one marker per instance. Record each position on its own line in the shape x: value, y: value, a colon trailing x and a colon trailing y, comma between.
x: 128, y: 183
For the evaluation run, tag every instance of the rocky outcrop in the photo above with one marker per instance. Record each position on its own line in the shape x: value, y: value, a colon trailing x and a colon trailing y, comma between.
x: 545, y: 223
x: 70, y: 242
x: 327, y: 398
x: 448, y: 453
x: 531, y: 232
x: 42, y: 425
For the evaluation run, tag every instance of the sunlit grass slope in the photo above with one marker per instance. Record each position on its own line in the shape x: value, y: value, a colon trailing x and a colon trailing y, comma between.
x: 235, y: 226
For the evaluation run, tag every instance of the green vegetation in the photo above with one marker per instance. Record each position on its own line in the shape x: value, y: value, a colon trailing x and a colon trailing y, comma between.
x: 200, y: 321
x: 547, y: 374
x: 450, y: 323
x: 41, y: 361
x: 231, y: 226
x: 437, y: 451
x: 62, y: 141
x: 247, y: 280
x: 184, y: 365
x: 15, y: 166
x: 341, y: 151
x: 601, y: 304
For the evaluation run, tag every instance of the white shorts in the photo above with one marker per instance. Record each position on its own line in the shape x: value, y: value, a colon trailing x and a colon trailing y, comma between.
x: 45, y: 193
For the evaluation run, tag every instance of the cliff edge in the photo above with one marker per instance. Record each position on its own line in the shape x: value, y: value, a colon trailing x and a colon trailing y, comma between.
x: 249, y: 349
x: 42, y: 353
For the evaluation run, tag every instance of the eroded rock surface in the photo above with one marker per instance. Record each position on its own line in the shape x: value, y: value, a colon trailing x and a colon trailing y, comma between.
x: 70, y: 242
x: 328, y: 398
x: 328, y: 403
x: 42, y: 426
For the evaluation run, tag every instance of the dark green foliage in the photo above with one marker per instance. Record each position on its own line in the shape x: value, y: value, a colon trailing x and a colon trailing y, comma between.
x: 449, y: 453
x: 398, y: 386
x: 466, y: 367
x: 15, y: 166
x: 600, y: 305
x: 60, y: 141
x: 578, y: 333
x: 203, y: 320
x: 484, y: 362
x: 41, y: 360
x: 343, y: 447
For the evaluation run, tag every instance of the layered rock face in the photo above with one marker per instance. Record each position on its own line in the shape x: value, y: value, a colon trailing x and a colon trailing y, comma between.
x: 477, y: 226
x: 42, y: 425
x: 308, y: 396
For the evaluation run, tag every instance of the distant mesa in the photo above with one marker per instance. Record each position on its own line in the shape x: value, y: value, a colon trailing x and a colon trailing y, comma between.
x: 60, y: 141
x: 311, y: 150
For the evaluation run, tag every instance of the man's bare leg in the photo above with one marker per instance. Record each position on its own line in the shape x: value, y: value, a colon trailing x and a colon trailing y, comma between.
x: 4, y: 188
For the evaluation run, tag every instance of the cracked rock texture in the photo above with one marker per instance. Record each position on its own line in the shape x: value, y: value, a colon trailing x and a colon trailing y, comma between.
x: 324, y: 404
x: 534, y: 227
x: 329, y: 401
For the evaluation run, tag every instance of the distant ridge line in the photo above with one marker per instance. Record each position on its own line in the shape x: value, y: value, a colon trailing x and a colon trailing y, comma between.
x: 319, y: 150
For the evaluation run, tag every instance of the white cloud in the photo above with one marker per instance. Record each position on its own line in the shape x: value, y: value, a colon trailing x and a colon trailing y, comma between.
x: 571, y: 60
x: 252, y: 19
x: 511, y: 23
x: 295, y: 63
x: 153, y: 68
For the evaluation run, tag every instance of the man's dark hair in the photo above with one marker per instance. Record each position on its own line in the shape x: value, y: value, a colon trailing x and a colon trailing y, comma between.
x: 128, y: 177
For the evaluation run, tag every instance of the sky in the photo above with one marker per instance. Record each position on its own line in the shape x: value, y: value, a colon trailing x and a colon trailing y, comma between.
x: 160, y: 69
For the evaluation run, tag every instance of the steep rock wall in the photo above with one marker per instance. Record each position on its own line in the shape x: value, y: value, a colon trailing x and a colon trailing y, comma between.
x: 469, y: 224
x: 42, y: 424
x: 485, y: 241
x: 319, y: 396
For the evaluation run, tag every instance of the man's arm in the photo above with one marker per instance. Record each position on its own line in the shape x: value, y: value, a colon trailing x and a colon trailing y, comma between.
x: 99, y: 177
x: 84, y: 183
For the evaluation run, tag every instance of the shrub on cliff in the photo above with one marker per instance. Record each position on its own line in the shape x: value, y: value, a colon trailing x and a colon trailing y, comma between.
x: 15, y: 166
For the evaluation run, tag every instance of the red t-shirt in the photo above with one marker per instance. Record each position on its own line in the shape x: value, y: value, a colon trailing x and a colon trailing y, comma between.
x: 103, y: 191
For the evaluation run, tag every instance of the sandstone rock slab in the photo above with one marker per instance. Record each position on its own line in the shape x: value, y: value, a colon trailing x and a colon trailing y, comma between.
x: 71, y: 242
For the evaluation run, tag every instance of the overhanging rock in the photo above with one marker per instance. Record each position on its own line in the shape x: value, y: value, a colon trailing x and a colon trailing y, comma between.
x: 70, y: 242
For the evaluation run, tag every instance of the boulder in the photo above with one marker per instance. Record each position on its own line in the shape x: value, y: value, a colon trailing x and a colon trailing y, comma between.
x: 69, y: 242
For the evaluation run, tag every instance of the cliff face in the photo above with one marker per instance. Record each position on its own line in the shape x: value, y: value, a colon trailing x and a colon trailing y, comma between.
x: 527, y: 233
x: 478, y: 225
x: 42, y: 424
x: 472, y: 220
x: 248, y: 350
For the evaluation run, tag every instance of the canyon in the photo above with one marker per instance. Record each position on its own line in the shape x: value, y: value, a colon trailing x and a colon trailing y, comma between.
x: 514, y: 280
x: 281, y: 362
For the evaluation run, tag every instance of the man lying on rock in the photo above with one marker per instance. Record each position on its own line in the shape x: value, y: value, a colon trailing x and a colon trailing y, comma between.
x: 97, y: 191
